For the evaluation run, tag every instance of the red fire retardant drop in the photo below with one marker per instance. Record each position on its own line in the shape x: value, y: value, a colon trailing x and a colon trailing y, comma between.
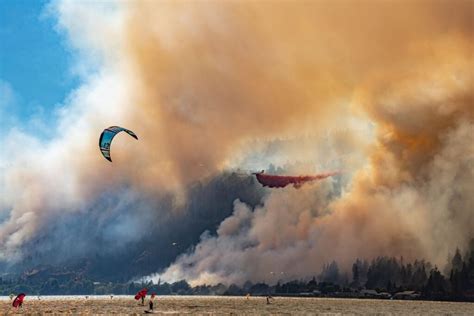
x: 275, y: 181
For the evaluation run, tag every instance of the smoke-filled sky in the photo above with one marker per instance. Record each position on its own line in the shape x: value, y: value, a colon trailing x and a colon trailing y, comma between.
x: 382, y: 91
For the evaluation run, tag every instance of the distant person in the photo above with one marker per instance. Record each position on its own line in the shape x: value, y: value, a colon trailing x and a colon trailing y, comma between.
x: 141, y: 295
x: 152, y: 297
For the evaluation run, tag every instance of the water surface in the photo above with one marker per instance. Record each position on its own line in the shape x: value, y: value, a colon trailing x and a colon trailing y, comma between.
x: 224, y: 305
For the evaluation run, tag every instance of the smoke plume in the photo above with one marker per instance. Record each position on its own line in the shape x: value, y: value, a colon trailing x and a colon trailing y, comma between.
x: 383, y: 89
x: 413, y: 198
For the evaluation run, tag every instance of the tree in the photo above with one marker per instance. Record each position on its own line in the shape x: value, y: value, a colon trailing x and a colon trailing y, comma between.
x: 436, y: 287
x: 312, y: 285
x: 50, y: 287
x: 180, y: 287
x: 419, y: 278
x: 355, y: 275
x: 330, y: 273
x: 456, y: 262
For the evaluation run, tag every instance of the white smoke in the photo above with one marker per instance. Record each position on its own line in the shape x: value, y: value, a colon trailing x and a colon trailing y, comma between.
x: 40, y: 179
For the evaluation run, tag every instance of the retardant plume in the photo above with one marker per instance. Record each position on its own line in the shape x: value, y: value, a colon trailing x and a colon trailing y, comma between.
x: 279, y: 181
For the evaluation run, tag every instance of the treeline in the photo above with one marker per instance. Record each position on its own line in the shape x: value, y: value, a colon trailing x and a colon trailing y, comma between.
x: 383, y: 277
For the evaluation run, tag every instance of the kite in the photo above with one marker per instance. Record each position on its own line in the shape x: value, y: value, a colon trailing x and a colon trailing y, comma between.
x: 105, y: 139
x: 275, y: 181
x: 18, y: 301
x: 141, y: 294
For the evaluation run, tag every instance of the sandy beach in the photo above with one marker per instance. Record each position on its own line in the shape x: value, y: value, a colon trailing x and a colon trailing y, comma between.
x: 215, y: 305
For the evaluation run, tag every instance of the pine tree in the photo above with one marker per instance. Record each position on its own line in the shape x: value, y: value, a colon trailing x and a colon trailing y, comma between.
x: 456, y: 263
x: 355, y: 274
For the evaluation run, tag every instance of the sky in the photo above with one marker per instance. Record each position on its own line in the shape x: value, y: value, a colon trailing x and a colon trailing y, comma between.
x: 35, y: 66
x: 381, y: 91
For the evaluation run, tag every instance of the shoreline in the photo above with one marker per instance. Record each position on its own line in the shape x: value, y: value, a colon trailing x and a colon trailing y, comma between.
x: 255, y: 305
x: 4, y: 298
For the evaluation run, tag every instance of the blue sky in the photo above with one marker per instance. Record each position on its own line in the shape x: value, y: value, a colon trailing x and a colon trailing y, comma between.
x: 35, y: 75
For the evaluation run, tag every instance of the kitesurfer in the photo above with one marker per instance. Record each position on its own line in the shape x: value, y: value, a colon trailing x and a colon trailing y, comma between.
x: 151, y: 301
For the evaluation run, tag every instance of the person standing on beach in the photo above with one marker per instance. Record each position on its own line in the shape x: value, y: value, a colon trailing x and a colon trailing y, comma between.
x: 151, y: 301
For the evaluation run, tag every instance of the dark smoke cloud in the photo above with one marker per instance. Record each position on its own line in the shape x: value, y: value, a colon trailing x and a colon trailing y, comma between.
x: 131, y: 233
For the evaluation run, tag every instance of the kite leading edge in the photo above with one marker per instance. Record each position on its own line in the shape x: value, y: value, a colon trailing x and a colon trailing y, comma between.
x: 105, y: 139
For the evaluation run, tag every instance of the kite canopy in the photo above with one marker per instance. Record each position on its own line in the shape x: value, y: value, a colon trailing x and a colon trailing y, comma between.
x: 141, y: 293
x: 105, y: 140
x: 275, y: 181
x: 18, y: 300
